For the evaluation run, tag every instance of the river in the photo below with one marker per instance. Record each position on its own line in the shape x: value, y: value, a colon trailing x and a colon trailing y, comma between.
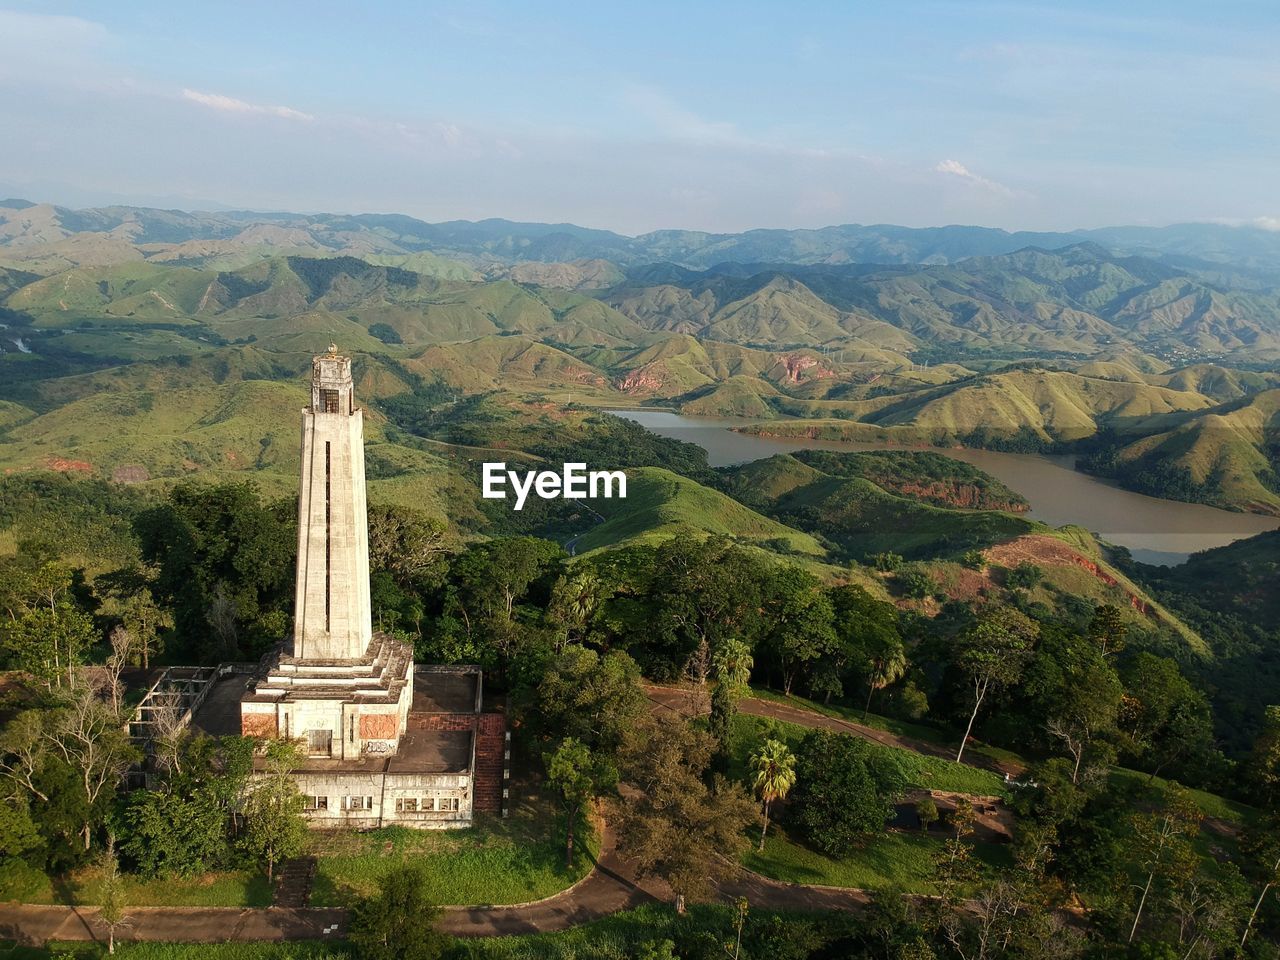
x: 1155, y: 531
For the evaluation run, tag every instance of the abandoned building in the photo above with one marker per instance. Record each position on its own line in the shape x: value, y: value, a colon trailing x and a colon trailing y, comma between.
x: 386, y: 741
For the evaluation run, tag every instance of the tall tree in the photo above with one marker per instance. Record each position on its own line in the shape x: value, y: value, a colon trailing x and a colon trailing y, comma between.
x: 845, y: 791
x: 669, y: 820
x: 398, y: 923
x: 800, y: 619
x: 1162, y: 844
x: 1108, y: 629
x: 1167, y: 719
x: 89, y: 737
x: 1088, y: 709
x: 409, y: 545
x: 49, y: 642
x: 1262, y: 844
x: 991, y: 655
x: 274, y: 828
x: 111, y: 895
x: 706, y: 592
x: 575, y: 599
x: 731, y: 665
x: 884, y: 665
x: 591, y: 698
x: 774, y: 766
x: 223, y: 559
x: 577, y: 777
x: 1264, y: 760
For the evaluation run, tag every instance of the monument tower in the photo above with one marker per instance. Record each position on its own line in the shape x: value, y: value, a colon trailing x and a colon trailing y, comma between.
x: 332, y: 619
x: 337, y: 685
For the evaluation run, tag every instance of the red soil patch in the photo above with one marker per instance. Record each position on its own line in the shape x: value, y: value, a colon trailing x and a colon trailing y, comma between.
x: 797, y: 363
x: 68, y: 466
x: 642, y: 380
x: 1052, y: 552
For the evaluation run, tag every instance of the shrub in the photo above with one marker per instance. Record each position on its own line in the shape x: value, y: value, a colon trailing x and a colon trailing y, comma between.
x: 1024, y: 576
x: 886, y: 562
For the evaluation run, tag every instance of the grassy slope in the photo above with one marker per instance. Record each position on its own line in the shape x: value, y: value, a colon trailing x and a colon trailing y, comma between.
x: 897, y: 859
x: 661, y: 505
x: 1223, y: 449
x: 864, y: 518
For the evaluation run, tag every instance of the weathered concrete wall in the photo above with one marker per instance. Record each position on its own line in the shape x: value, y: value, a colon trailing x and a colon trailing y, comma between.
x: 333, y: 528
x: 355, y: 730
x: 378, y: 795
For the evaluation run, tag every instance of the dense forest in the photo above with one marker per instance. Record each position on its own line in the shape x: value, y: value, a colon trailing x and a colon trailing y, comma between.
x: 1117, y: 738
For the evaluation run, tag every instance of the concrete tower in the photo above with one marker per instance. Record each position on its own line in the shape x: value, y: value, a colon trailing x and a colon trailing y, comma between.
x: 338, y: 686
x: 332, y: 618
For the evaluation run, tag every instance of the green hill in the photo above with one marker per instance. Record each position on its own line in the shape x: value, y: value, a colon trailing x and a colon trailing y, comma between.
x: 861, y: 517
x: 661, y: 505
x: 1228, y: 456
x: 1032, y: 406
x: 281, y: 297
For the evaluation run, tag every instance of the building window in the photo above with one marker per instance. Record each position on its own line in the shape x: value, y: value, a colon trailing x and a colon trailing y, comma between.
x: 320, y: 743
x: 407, y: 805
x: 315, y: 803
x: 445, y: 804
x: 357, y: 803
x: 329, y: 400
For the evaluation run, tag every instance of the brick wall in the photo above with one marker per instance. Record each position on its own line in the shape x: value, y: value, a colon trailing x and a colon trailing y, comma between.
x: 442, y: 721
x: 491, y: 748
x: 258, y: 724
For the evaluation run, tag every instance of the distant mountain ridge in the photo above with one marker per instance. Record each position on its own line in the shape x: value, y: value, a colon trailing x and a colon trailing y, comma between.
x: 1243, y: 253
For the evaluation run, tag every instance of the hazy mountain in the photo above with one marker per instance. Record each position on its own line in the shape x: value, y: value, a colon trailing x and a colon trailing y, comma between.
x: 1242, y: 255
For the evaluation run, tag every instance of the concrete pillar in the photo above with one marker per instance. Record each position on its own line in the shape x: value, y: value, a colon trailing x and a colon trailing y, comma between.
x: 332, y: 619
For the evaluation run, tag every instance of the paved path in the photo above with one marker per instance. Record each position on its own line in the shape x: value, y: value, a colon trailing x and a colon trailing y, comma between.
x: 35, y: 924
x: 609, y: 888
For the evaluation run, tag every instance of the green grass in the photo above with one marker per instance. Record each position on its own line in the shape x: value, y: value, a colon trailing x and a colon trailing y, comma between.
x: 1210, y: 804
x: 931, y: 773
x: 903, y: 860
x: 902, y: 728
x: 497, y: 861
x: 230, y: 888
x: 661, y: 505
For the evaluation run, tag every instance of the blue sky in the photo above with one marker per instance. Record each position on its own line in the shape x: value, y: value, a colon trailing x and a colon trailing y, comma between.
x: 712, y: 115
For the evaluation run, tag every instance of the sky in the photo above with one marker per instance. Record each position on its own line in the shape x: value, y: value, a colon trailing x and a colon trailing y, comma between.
x: 709, y: 115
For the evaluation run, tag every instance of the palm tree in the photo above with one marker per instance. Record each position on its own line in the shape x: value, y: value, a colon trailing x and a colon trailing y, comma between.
x: 886, y: 666
x: 733, y: 663
x: 775, y: 767
x: 577, y: 598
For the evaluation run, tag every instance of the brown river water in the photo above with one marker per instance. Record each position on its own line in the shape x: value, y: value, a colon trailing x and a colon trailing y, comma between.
x: 1154, y: 530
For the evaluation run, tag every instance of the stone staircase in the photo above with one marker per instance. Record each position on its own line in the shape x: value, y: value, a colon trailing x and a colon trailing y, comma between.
x: 293, y: 882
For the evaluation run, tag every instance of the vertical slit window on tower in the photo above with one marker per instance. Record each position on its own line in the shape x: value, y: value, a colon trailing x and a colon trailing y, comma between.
x: 328, y: 519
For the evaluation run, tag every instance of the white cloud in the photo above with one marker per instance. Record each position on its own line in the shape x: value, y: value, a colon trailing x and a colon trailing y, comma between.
x: 954, y: 168
x: 225, y: 104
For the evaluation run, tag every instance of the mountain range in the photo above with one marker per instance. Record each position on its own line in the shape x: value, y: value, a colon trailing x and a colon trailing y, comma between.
x: 1239, y: 255
x: 1156, y: 366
